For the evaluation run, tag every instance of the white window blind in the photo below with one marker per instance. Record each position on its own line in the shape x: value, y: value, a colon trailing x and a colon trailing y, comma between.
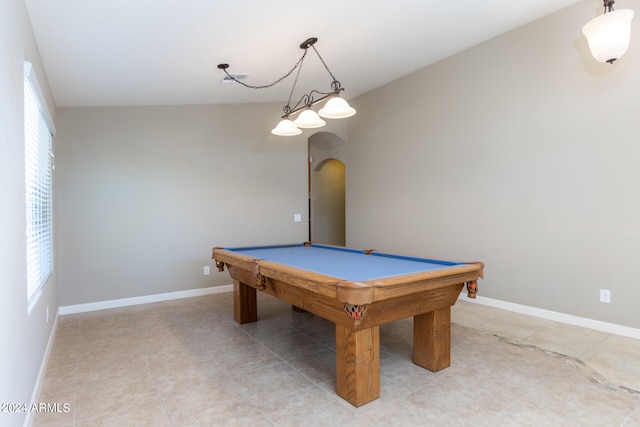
x: 38, y: 185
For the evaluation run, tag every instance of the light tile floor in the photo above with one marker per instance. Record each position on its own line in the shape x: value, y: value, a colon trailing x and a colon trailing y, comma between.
x: 187, y: 363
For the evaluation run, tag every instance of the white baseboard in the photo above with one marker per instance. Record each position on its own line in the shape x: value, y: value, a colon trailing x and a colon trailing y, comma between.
x: 584, y: 322
x: 126, y: 302
x: 28, y: 421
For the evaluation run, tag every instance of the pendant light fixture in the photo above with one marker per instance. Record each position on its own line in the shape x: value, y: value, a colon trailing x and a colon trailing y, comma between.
x: 335, y: 108
x: 309, y: 119
x: 609, y: 34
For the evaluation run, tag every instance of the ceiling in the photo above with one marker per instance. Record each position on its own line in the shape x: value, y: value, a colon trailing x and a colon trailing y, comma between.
x: 166, y: 52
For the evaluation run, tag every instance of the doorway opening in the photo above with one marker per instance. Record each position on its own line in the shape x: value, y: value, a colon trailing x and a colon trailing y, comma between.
x: 328, y: 203
x: 327, y: 189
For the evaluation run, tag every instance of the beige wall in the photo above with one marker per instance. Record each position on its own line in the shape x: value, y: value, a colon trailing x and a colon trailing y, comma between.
x: 522, y: 152
x: 144, y: 193
x: 25, y: 332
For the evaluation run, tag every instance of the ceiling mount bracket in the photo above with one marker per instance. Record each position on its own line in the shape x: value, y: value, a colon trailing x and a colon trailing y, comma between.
x: 308, y: 43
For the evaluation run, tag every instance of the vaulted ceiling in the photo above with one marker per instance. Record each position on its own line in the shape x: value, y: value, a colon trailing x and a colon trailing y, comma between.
x: 166, y: 52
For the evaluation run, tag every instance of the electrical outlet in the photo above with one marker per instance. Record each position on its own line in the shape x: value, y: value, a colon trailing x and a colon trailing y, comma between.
x: 605, y: 296
x: 206, y: 270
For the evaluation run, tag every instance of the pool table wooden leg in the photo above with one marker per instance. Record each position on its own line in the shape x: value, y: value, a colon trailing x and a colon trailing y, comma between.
x: 432, y: 339
x: 358, y: 364
x: 245, y: 305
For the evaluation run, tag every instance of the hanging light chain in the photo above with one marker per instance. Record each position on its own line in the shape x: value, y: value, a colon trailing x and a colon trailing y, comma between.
x: 287, y: 108
x: 325, y: 65
x: 224, y: 67
x: 335, y: 84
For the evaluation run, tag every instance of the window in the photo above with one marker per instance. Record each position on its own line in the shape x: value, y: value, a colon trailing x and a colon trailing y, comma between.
x: 38, y: 166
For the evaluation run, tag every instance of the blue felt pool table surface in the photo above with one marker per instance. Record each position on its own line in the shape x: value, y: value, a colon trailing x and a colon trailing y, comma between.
x: 344, y: 263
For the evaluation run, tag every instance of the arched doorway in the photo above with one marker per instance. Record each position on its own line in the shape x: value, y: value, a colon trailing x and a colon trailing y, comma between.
x: 327, y: 189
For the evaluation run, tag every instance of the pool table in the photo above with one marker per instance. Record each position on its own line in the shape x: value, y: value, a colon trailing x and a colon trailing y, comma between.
x: 358, y: 290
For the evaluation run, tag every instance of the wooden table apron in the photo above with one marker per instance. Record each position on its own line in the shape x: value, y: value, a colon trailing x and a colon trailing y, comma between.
x: 427, y: 297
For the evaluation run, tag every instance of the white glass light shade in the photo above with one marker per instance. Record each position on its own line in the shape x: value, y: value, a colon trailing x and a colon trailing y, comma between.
x: 309, y: 119
x: 609, y: 34
x: 286, y: 128
x: 336, y: 108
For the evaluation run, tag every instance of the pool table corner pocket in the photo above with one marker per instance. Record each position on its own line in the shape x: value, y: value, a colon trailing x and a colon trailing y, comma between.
x: 355, y: 293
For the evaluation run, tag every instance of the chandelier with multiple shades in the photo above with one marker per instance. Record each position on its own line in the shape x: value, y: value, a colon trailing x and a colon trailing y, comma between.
x: 335, y: 107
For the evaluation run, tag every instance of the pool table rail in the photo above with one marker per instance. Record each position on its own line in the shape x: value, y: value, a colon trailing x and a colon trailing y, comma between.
x: 349, y: 292
x: 367, y: 292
